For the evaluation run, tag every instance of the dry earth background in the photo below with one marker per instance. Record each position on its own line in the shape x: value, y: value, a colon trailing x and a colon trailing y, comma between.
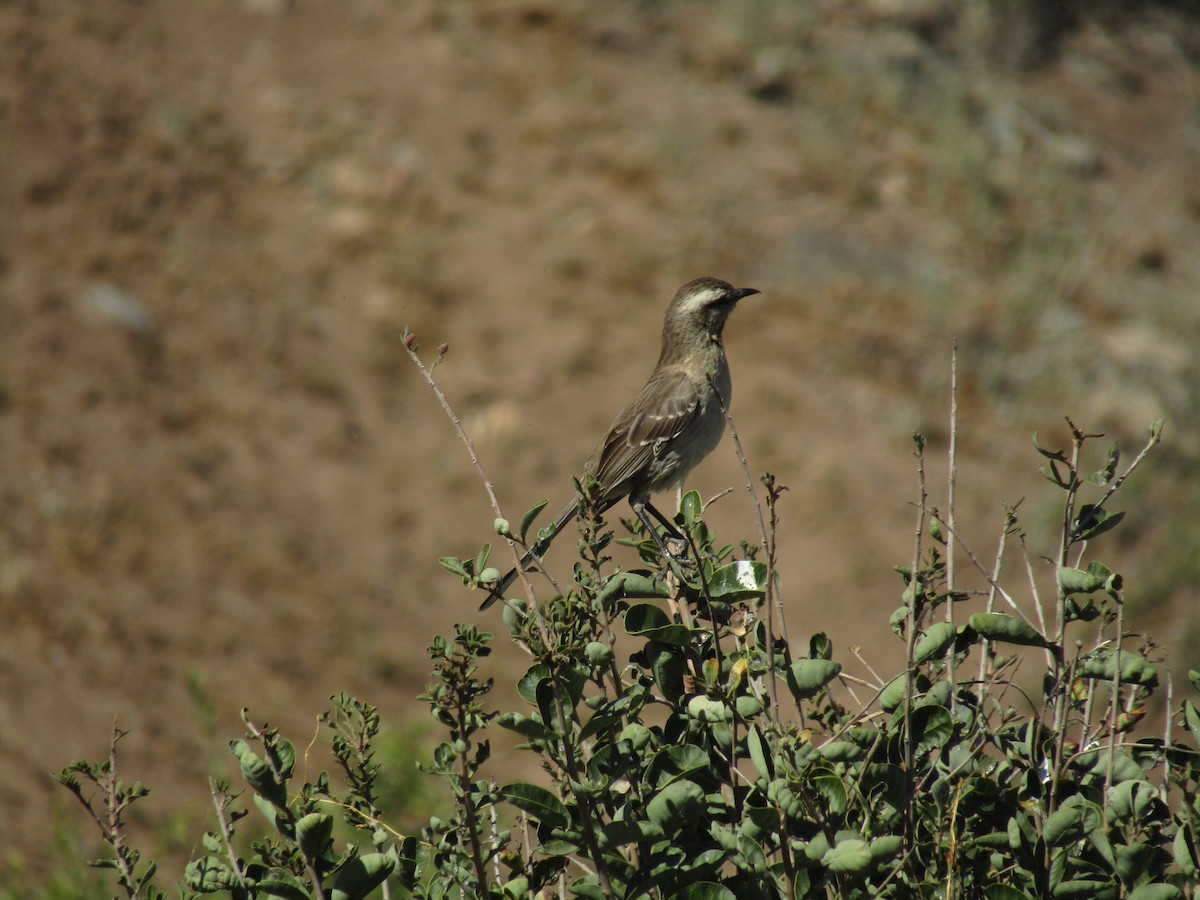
x: 221, y: 481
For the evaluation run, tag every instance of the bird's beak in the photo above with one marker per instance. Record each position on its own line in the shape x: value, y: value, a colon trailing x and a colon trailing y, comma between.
x: 742, y: 293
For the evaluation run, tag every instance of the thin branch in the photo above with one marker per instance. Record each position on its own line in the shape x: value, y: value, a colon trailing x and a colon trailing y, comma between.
x: 986, y: 650
x: 914, y: 597
x: 774, y: 602
x: 952, y: 653
x: 220, y: 801
x: 410, y: 347
x: 992, y: 579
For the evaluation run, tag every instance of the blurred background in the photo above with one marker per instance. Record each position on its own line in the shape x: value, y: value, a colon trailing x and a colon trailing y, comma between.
x: 223, y: 484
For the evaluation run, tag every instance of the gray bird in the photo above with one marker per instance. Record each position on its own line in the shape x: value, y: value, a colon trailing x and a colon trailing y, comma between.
x: 672, y: 424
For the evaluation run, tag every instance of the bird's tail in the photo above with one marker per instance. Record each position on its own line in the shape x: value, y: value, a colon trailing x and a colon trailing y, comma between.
x: 570, y: 511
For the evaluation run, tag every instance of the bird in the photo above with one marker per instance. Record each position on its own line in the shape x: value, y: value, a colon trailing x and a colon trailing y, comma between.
x: 673, y: 423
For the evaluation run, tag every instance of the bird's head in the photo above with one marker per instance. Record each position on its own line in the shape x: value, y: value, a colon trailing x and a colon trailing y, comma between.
x: 699, y: 310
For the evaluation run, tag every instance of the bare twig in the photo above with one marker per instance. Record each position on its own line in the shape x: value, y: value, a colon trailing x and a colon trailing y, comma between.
x: 914, y: 598
x: 774, y: 602
x: 220, y: 801
x: 991, y: 577
x: 410, y: 347
x: 952, y: 480
x: 986, y: 650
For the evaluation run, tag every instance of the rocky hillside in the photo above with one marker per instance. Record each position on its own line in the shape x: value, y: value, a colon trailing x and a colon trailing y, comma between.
x: 222, y: 484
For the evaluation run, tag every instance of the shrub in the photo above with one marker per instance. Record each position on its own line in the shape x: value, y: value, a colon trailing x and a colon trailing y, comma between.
x: 691, y: 748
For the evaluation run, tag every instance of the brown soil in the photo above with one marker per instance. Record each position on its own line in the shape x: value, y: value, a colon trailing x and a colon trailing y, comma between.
x: 222, y: 483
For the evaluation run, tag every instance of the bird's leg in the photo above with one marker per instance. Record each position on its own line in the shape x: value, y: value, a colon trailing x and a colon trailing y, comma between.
x: 641, y: 507
x: 672, y: 532
x: 666, y: 523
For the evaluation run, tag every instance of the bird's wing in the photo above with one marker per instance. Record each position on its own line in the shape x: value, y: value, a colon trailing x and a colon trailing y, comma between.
x: 662, y: 410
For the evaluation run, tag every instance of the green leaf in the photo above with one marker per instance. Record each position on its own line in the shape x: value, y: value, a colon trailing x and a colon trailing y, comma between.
x: 887, y: 846
x: 530, y: 729
x: 1074, y: 611
x: 412, y: 856
x: 892, y: 695
x: 932, y: 726
x: 631, y: 586
x: 208, y: 875
x: 598, y: 653
x: 820, y: 646
x: 678, y: 806
x: 1186, y: 856
x: 1129, y: 800
x: 1156, y: 892
x: 1110, y: 465
x: 517, y: 889
x: 1124, y: 767
x: 1057, y: 455
x: 283, y: 884
x: 760, y: 753
x: 833, y: 790
x: 669, y: 666
x: 996, y: 840
x: 1132, y: 861
x: 587, y: 887
x: 691, y: 508
x: 747, y: 706
x: 1092, y: 522
x: 455, y: 565
x: 708, y: 890
x: 1106, y: 664
x: 648, y: 621
x: 853, y: 855
x: 617, y: 834
x: 1077, y: 581
x: 1090, y: 890
x: 741, y: 580
x: 887, y: 782
x: 360, y: 875
x: 807, y: 676
x: 539, y: 803
x: 1007, y: 629
x: 1052, y: 474
x: 527, y: 519
x: 1064, y: 826
x: 314, y: 834
x: 637, y: 734
x: 527, y: 685
x: 270, y: 812
x: 842, y: 751
x: 607, y: 717
x: 537, y: 680
x: 1192, y: 717
x: 706, y: 709
x: 675, y: 762
x: 934, y: 641
x: 258, y: 774
x: 1112, y: 581
x: 481, y: 559
x: 1104, y: 847
x: 285, y: 757
x: 612, y: 761
x: 1072, y: 821
x: 1004, y: 892
x: 1194, y: 678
